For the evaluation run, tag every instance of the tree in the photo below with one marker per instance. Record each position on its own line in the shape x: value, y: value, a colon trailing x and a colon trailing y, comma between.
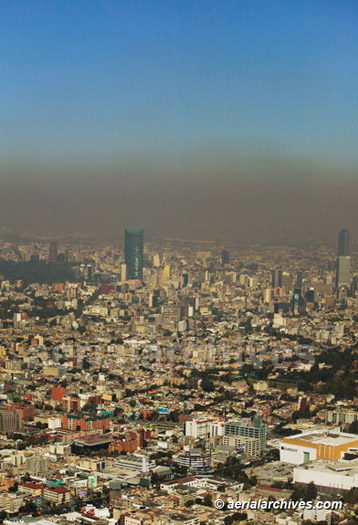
x: 234, y: 518
x: 174, y: 416
x: 351, y: 497
x: 153, y: 416
x: 308, y: 493
x: 41, y: 425
x: 89, y: 407
x: 28, y: 508
x: 310, y: 522
x: 353, y: 427
x: 15, y: 487
x: 208, y: 500
x: 298, y: 494
x: 207, y: 384
x: 311, y: 492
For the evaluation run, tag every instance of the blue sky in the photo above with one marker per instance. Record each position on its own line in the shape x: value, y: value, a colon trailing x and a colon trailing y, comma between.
x: 179, y: 115
x: 87, y: 79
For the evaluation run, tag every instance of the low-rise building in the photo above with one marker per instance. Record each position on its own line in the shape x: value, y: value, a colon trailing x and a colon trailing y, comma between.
x: 309, y: 446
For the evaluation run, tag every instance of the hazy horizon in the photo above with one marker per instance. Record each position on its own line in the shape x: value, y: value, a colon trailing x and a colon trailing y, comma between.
x: 191, y: 119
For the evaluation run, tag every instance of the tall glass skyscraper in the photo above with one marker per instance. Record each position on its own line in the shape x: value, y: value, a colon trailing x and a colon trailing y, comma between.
x: 343, y: 243
x: 133, y: 246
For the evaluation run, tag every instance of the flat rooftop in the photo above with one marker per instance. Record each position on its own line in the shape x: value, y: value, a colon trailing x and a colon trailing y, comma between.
x: 331, y: 438
x: 329, y: 467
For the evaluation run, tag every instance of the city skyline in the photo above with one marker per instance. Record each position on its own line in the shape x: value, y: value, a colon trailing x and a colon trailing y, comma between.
x: 178, y: 262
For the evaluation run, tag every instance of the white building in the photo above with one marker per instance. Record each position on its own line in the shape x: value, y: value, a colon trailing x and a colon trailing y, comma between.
x: 331, y: 477
x: 139, y: 462
x: 201, y: 428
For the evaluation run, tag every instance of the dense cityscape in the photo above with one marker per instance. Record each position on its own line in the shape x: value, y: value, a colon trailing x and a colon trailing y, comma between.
x: 178, y: 262
x: 142, y: 382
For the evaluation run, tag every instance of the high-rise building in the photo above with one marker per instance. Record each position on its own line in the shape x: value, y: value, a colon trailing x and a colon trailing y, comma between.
x: 225, y: 257
x: 247, y: 429
x: 267, y: 295
x: 134, y: 252
x: 9, y: 421
x: 343, y: 270
x: 286, y: 282
x: 123, y: 273
x: 90, y: 272
x: 166, y: 273
x: 310, y: 295
x: 343, y: 243
x: 52, y: 256
x: 298, y: 302
x: 299, y: 279
x: 156, y: 260
x: 276, y: 278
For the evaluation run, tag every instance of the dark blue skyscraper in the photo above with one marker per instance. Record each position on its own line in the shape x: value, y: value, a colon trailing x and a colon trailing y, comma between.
x: 225, y: 257
x: 343, y: 243
x: 134, y: 252
x: 276, y: 278
x: 299, y: 279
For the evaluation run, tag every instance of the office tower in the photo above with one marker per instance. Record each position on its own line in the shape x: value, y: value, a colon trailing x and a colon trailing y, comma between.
x: 134, y: 252
x: 298, y: 302
x: 311, y: 295
x: 343, y: 243
x: 287, y: 282
x: 123, y: 273
x: 276, y: 278
x: 267, y: 295
x: 225, y: 257
x: 53, y: 251
x: 166, y: 273
x: 343, y: 271
x: 354, y: 286
x: 156, y: 260
x: 299, y: 279
x: 246, y: 429
x: 89, y: 272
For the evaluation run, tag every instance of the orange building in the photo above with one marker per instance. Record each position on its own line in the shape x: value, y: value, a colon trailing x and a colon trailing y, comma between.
x: 131, y: 441
x: 58, y: 392
x: 127, y: 445
x: 25, y: 411
x: 83, y: 422
x: 320, y: 444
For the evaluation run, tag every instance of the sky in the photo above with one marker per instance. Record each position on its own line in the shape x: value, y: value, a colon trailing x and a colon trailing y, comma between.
x: 194, y: 118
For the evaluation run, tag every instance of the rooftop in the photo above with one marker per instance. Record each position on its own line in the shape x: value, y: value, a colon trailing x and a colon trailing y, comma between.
x: 330, y: 438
